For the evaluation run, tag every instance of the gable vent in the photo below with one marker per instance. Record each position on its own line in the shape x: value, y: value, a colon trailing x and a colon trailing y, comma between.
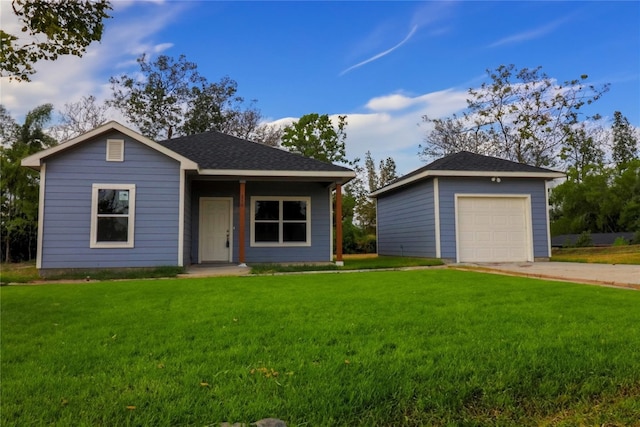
x: 115, y: 150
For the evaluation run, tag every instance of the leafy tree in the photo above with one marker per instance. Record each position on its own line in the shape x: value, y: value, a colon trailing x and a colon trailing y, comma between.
x: 521, y: 115
x: 52, y: 28
x: 19, y: 185
x: 80, y: 117
x: 211, y: 107
x: 388, y: 172
x: 365, y: 208
x: 8, y: 127
x: 604, y: 201
x: 155, y: 104
x: 583, y: 151
x: 315, y: 136
x: 625, y: 140
x: 174, y: 99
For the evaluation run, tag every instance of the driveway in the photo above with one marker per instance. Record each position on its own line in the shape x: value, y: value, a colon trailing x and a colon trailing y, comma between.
x: 619, y: 275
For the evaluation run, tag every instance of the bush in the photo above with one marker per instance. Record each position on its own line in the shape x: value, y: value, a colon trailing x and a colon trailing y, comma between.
x: 584, y: 239
x: 636, y: 238
x: 620, y: 241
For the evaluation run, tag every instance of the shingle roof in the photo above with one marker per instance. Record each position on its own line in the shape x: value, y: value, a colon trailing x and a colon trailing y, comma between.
x: 218, y: 151
x: 465, y: 163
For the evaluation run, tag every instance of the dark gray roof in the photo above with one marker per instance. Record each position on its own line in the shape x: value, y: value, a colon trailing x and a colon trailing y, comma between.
x: 215, y: 150
x: 466, y: 164
x: 466, y: 161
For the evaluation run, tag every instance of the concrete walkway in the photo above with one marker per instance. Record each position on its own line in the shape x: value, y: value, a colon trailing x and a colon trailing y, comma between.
x: 215, y: 270
x: 619, y: 275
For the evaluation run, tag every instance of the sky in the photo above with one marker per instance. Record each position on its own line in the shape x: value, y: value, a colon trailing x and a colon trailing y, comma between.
x: 382, y: 64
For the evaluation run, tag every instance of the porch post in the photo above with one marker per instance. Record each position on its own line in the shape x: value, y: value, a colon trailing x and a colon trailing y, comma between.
x: 241, y: 219
x: 339, y: 261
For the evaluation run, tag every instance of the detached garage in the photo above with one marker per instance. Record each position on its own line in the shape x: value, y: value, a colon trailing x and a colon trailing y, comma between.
x: 467, y: 208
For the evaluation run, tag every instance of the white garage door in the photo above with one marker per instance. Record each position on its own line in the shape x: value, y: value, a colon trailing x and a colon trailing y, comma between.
x: 493, y: 229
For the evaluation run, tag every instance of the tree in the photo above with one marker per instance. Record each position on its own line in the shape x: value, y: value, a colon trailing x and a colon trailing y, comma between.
x: 19, y: 185
x: 451, y: 135
x: 388, y: 172
x: 604, y: 201
x: 211, y: 107
x: 53, y: 28
x: 155, y: 104
x: 315, y: 136
x: 172, y: 99
x: 267, y: 134
x: 521, y: 115
x: 625, y: 140
x: 365, y: 208
x: 582, y: 151
x: 80, y: 117
x: 8, y: 127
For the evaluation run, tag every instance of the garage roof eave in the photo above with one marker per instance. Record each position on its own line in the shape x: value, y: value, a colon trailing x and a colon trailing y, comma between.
x: 450, y: 173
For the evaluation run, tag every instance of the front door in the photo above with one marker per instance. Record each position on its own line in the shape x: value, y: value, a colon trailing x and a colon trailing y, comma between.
x: 215, y: 229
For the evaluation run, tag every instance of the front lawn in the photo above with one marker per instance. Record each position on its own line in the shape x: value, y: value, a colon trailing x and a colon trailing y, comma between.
x: 428, y: 347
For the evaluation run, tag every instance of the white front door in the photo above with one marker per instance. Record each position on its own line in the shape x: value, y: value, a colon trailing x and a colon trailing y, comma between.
x: 215, y: 229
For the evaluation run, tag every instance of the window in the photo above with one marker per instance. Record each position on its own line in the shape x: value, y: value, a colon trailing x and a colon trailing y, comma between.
x: 112, y: 215
x: 115, y: 150
x: 280, y: 221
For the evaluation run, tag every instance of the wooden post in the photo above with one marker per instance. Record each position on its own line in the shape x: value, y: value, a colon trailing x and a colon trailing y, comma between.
x: 242, y: 220
x: 339, y: 225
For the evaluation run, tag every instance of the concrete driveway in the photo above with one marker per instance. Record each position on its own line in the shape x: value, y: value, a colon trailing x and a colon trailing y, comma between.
x: 619, y: 275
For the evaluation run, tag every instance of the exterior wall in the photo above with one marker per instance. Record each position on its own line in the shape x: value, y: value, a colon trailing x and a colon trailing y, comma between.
x: 67, y: 208
x: 406, y: 221
x: 321, y: 237
x: 448, y: 187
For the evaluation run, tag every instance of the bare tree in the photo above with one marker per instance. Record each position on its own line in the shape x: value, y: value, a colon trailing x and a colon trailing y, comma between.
x: 80, y: 117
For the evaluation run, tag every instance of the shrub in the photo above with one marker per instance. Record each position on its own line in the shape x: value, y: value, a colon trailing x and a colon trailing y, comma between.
x: 636, y: 238
x: 584, y: 239
x: 620, y: 241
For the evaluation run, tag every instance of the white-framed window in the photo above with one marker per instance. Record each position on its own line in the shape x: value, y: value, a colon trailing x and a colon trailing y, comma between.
x: 280, y: 221
x: 115, y: 150
x: 113, y: 208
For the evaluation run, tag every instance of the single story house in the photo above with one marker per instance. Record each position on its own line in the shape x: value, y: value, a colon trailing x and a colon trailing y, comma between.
x: 467, y: 208
x: 112, y: 198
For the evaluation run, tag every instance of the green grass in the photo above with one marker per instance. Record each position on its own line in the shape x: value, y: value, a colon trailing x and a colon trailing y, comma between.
x: 18, y: 272
x: 627, y: 254
x: 351, y: 262
x: 26, y: 272
x: 427, y: 347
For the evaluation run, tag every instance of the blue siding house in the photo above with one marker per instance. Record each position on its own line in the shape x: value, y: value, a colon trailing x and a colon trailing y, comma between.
x: 112, y: 198
x: 467, y: 208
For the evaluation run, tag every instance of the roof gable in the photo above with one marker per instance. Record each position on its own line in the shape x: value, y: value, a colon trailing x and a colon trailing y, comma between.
x: 469, y: 164
x: 215, y: 153
x: 35, y: 160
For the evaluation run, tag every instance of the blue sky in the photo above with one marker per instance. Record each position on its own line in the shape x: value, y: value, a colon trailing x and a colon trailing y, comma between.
x: 383, y: 64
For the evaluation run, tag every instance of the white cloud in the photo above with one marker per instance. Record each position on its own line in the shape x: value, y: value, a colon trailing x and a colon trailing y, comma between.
x: 529, y: 35
x: 381, y: 54
x: 67, y: 79
x: 392, y: 126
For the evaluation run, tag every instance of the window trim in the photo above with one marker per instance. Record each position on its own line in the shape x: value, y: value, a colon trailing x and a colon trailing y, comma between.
x: 131, y: 216
x: 281, y: 221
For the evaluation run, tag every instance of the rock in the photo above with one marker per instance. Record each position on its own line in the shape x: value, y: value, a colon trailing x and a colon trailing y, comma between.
x: 269, y: 422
